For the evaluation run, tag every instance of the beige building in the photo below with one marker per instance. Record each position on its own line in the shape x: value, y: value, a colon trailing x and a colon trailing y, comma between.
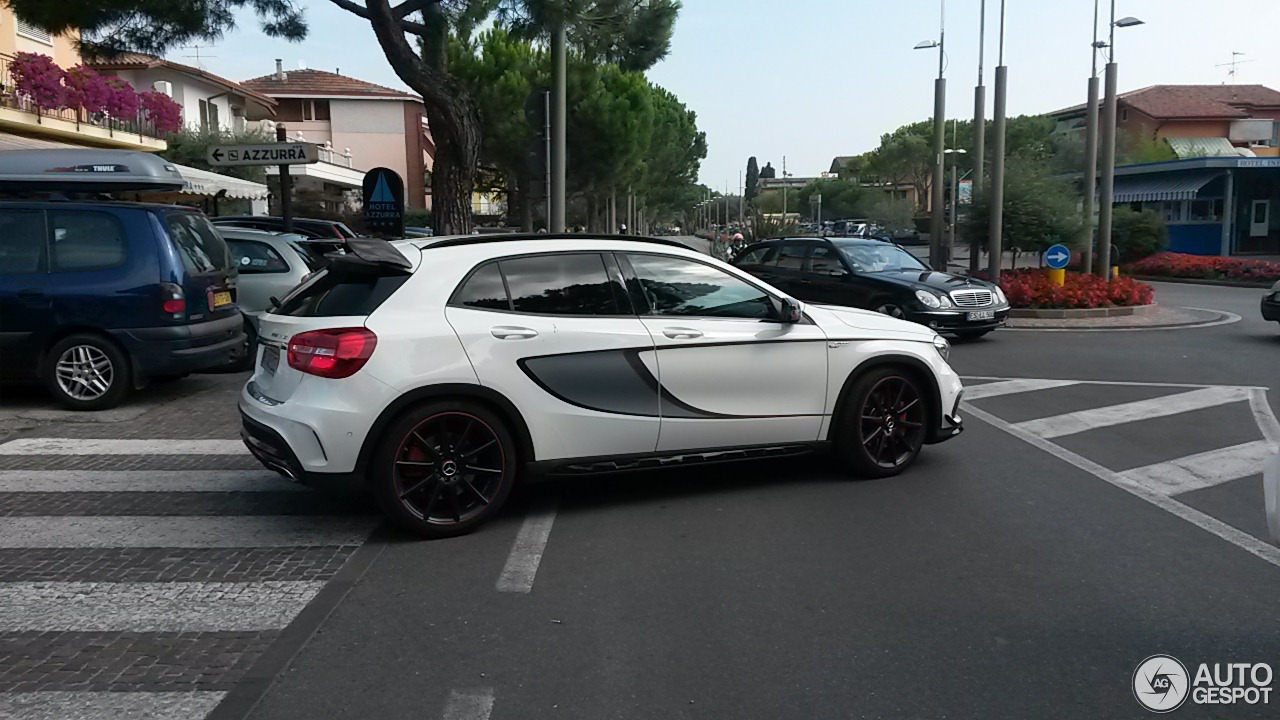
x: 374, y: 126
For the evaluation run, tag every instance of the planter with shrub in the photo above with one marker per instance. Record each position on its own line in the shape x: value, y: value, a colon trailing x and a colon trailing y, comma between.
x: 1031, y: 288
x: 1201, y: 267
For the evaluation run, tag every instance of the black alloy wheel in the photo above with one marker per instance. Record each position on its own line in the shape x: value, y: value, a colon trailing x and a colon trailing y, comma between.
x: 883, y: 426
x: 891, y: 310
x: 446, y: 468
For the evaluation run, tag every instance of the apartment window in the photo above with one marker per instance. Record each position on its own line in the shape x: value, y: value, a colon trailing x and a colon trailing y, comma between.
x: 295, y: 109
x: 34, y: 32
x: 214, y: 125
x: 1124, y: 115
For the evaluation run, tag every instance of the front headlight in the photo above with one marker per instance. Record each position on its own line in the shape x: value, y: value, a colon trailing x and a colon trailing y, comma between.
x: 928, y: 299
x: 1000, y: 298
x: 942, y: 346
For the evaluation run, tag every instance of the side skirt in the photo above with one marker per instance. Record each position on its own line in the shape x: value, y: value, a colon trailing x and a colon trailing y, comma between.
x: 651, y: 461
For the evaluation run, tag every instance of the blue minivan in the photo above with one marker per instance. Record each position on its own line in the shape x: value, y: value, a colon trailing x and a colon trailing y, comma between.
x: 98, y: 298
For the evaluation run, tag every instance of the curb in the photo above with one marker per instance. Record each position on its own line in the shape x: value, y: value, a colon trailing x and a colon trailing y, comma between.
x: 1220, y: 318
x: 1202, y: 281
x: 1081, y: 313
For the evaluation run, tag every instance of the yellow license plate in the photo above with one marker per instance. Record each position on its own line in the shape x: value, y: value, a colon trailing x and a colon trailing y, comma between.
x: 221, y: 298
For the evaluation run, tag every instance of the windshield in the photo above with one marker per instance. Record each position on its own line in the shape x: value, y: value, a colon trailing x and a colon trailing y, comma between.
x: 880, y: 258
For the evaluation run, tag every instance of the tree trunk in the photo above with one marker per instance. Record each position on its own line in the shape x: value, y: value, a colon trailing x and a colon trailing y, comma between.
x: 454, y: 119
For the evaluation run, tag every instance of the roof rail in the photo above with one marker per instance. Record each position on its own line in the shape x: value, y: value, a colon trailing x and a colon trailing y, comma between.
x: 513, y: 237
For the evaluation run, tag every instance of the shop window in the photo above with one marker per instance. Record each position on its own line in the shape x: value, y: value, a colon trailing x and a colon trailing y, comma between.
x: 1205, y: 211
x: 1172, y: 211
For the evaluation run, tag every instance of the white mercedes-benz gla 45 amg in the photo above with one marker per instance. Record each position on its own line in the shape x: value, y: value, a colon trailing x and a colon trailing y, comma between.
x: 435, y: 372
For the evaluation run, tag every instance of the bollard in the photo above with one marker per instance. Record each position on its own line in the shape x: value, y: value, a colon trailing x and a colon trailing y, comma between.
x: 1057, y: 277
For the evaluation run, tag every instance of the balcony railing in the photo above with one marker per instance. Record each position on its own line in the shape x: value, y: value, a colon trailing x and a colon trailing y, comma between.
x: 14, y: 100
x: 330, y: 155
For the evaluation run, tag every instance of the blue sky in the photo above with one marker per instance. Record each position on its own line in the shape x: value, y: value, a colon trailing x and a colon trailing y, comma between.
x: 812, y: 79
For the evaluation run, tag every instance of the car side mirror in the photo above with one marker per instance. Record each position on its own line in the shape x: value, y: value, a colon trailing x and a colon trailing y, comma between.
x: 792, y: 311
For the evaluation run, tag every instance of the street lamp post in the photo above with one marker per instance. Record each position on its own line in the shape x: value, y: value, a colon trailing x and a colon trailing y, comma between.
x: 1091, y: 150
x: 938, y: 197
x: 979, y: 134
x: 955, y: 198
x: 1109, y: 146
x: 995, y: 240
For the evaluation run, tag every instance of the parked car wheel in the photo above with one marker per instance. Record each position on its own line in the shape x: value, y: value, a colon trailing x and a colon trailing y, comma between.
x: 444, y: 468
x: 882, y: 425
x: 87, y: 372
x: 891, y: 310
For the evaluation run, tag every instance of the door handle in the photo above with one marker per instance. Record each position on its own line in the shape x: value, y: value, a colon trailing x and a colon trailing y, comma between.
x: 681, y: 333
x: 509, y: 332
x: 30, y: 293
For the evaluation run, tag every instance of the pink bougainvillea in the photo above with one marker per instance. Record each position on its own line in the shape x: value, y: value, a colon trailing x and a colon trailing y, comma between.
x: 165, y: 114
x: 84, y: 88
x: 38, y: 78
x: 122, y: 100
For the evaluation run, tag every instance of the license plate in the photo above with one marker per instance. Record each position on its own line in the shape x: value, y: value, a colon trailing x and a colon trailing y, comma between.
x: 219, y: 299
x: 270, y: 359
x: 982, y: 315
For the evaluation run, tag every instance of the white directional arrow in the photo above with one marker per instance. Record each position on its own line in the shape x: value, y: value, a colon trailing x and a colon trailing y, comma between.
x: 1059, y: 256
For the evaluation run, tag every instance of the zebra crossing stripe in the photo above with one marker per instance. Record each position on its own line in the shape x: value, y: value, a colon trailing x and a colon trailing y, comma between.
x: 1009, y: 387
x: 153, y: 607
x: 1077, y: 422
x: 158, y: 481
x: 90, y: 446
x: 1202, y: 470
x: 245, y: 531
x: 47, y: 705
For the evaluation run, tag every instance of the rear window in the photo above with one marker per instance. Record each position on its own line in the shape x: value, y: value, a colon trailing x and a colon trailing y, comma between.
x: 329, y: 294
x: 256, y: 258
x: 202, y: 249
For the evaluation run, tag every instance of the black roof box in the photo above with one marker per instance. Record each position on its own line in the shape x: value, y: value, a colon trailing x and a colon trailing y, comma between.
x: 86, y: 170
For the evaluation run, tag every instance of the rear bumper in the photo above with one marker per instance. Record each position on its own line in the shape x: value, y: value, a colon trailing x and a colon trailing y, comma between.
x: 271, y: 449
x: 184, y: 348
x: 1271, y: 306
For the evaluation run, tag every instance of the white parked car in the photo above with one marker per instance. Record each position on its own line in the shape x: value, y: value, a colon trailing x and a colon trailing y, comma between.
x: 270, y: 265
x: 433, y: 371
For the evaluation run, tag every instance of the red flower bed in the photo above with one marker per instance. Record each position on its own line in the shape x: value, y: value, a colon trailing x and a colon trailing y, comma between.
x: 1179, y: 265
x: 1032, y: 288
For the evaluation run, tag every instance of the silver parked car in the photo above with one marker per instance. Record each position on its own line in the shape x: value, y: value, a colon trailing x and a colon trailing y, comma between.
x: 271, y: 264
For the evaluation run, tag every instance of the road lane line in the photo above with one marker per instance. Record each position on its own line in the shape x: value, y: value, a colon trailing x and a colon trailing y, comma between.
x: 474, y: 704
x: 184, y: 532
x: 90, y: 446
x: 57, y: 481
x: 51, y: 705
x: 1266, y: 419
x: 153, y: 607
x: 1119, y: 382
x: 1202, y: 470
x: 1208, y: 523
x: 526, y: 552
x: 1009, y: 387
x: 1077, y: 422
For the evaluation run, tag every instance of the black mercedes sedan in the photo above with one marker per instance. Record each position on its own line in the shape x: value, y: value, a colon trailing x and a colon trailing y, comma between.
x: 879, y: 276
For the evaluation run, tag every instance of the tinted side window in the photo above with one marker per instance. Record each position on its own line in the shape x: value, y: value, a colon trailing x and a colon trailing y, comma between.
x: 86, y: 240
x: 824, y: 261
x: 329, y: 294
x: 202, y: 249
x: 791, y: 257
x: 561, y: 285
x: 255, y: 258
x: 675, y: 286
x: 484, y: 289
x: 759, y: 256
x: 22, y: 241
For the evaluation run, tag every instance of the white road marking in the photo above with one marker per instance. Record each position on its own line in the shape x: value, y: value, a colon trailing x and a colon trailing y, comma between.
x: 475, y: 704
x: 1202, y: 470
x: 183, y: 532
x: 1201, y: 520
x: 1119, y: 382
x: 153, y: 607
x: 89, y: 446
x: 115, y: 705
x: 1009, y: 387
x: 1266, y: 419
x: 1077, y: 422
x: 526, y: 552
x: 51, y: 481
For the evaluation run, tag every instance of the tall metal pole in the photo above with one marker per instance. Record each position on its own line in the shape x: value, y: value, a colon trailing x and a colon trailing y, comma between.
x: 558, y: 123
x: 996, y: 234
x: 1108, y: 156
x: 741, y: 194
x: 1091, y: 151
x: 784, y: 189
x: 936, y: 226
x: 979, y: 136
x: 286, y: 186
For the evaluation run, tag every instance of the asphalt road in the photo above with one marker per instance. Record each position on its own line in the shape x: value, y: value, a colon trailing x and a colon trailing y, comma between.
x: 1105, y: 509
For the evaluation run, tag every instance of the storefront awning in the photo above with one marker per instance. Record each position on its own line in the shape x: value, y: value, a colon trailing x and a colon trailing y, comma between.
x: 203, y: 182
x: 1165, y: 186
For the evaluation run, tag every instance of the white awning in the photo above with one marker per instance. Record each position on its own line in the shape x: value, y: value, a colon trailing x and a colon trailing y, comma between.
x: 203, y: 182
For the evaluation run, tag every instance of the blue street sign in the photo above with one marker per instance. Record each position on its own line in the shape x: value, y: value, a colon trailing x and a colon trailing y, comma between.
x: 1057, y: 256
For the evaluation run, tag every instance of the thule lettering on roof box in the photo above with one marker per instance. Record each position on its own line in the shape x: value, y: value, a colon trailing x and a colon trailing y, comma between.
x: 86, y: 170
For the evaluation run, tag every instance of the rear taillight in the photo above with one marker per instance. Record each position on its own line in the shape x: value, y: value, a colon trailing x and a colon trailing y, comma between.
x: 336, y: 353
x: 173, y: 301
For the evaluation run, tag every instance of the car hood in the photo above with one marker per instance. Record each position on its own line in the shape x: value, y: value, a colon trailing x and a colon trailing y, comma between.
x: 839, y: 321
x: 920, y: 279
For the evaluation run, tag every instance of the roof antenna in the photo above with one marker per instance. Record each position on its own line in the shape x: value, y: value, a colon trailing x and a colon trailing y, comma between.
x: 195, y: 48
x: 1235, y: 64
